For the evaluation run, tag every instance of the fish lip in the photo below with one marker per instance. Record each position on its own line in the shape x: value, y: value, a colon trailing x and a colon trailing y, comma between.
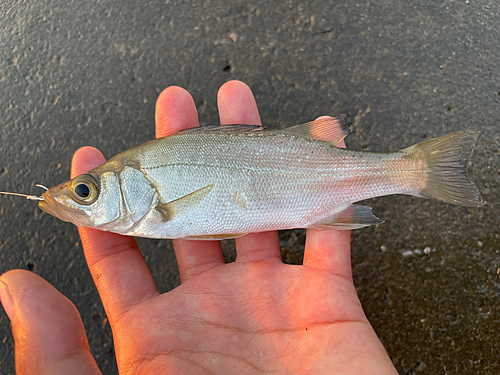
x: 56, y: 202
x: 49, y: 205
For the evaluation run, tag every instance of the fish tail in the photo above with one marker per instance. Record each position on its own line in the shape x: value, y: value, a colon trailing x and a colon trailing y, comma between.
x: 444, y: 160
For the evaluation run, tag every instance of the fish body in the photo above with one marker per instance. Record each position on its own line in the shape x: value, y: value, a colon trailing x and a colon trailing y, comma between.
x: 227, y: 181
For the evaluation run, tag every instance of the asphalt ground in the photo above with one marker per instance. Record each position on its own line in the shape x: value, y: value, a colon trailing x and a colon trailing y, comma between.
x: 76, y: 73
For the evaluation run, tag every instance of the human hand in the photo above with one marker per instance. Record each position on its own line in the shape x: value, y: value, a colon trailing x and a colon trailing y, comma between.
x: 253, y: 316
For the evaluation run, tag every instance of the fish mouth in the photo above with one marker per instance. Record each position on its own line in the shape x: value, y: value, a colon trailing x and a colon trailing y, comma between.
x: 57, y: 202
x: 49, y: 205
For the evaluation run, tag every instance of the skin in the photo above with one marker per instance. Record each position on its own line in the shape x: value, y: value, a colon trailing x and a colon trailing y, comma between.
x: 253, y: 316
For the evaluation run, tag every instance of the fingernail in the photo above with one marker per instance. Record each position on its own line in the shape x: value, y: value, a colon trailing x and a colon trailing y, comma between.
x: 6, y: 300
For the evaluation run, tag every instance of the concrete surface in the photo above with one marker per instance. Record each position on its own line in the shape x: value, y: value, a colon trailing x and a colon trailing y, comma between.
x: 76, y: 73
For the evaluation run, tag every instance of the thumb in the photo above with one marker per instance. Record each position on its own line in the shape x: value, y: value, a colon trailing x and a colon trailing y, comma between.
x: 48, y: 331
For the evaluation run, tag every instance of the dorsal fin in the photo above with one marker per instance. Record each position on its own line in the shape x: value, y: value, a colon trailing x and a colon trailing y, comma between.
x: 231, y: 128
x: 326, y: 129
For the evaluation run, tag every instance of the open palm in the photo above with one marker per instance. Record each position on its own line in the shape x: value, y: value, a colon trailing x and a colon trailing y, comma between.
x: 254, y: 316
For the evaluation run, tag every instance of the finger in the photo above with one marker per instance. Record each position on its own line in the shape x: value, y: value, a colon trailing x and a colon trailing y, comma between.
x: 237, y: 106
x: 329, y: 249
x: 175, y: 110
x: 115, y: 262
x: 48, y: 331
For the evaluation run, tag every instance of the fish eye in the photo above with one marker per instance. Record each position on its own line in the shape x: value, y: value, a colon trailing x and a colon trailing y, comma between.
x: 84, y: 189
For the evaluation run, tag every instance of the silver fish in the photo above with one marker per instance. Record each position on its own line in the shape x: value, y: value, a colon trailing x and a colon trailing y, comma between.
x: 226, y: 181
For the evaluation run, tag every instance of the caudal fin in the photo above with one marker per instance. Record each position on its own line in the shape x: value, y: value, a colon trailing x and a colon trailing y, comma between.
x: 445, y: 159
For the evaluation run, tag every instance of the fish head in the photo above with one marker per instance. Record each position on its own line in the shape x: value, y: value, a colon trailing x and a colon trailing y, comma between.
x: 88, y: 200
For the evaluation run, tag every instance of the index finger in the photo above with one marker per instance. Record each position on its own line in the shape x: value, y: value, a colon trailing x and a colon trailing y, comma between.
x: 119, y: 271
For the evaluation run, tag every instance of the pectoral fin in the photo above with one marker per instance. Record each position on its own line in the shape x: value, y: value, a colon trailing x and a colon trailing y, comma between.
x: 184, y: 204
x: 353, y: 217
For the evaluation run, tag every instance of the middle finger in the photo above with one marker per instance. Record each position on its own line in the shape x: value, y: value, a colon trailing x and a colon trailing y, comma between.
x: 175, y: 110
x: 237, y: 106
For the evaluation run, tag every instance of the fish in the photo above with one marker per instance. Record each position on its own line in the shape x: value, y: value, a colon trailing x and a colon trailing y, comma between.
x: 225, y: 181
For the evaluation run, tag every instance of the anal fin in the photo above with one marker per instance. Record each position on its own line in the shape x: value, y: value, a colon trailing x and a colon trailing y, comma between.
x: 353, y: 217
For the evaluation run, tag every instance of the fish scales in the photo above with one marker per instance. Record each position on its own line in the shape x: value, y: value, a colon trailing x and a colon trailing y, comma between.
x: 299, y: 182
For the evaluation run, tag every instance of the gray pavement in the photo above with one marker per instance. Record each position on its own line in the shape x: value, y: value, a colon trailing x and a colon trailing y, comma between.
x: 76, y: 73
